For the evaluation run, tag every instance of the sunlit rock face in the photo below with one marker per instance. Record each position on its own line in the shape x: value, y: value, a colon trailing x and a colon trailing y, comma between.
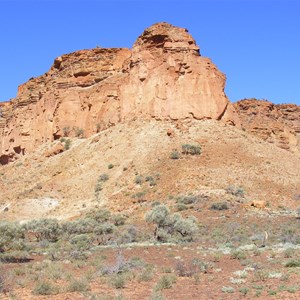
x: 163, y: 77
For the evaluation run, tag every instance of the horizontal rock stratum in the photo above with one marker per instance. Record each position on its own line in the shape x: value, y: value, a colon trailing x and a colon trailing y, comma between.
x: 163, y: 76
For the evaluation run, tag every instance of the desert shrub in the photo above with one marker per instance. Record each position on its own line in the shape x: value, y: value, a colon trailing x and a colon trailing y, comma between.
x: 294, y: 263
x: 171, y: 226
x: 289, y: 234
x: 238, y: 254
x: 104, y: 228
x: 138, y: 179
x: 235, y: 191
x: 66, y: 131
x: 151, y: 180
x: 191, y: 199
x: 11, y: 235
x: 219, y: 206
x: 110, y: 166
x: 193, y: 267
x: 244, y: 291
x: 191, y: 149
x: 79, y: 132
x: 118, y: 281
x: 130, y: 235
x: 158, y: 215
x: 146, y: 274
x: 67, y: 144
x: 139, y: 196
x: 103, y: 177
x: 181, y: 207
x: 166, y: 282
x: 15, y: 256
x: 81, y: 241
x: 175, y: 154
x: 98, y: 187
x: 45, y: 229
x: 78, y: 285
x: 227, y: 289
x: 120, y: 266
x: 186, y: 269
x: 99, y: 215
x: 80, y: 226
x: 118, y: 219
x: 45, y: 288
x: 289, y: 253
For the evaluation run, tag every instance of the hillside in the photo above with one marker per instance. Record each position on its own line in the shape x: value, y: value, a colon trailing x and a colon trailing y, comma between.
x: 62, y: 185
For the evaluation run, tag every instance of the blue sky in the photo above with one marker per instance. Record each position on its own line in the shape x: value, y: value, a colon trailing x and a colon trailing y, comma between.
x: 256, y: 43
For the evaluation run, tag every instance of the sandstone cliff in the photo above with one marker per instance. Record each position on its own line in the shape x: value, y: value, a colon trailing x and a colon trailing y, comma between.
x: 278, y: 124
x: 163, y: 77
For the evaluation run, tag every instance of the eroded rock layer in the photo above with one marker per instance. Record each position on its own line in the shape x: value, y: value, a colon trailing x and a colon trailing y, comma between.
x: 278, y: 124
x: 163, y: 77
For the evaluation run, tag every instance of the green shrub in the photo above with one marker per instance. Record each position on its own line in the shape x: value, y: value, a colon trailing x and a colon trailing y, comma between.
x: 45, y: 288
x: 239, y: 254
x: 66, y: 131
x: 45, y: 229
x: 294, y: 263
x: 118, y: 281
x: 98, y: 187
x: 81, y: 241
x: 110, y: 166
x: 14, y: 256
x: 191, y: 149
x: 187, y: 199
x: 118, y: 219
x: 181, y: 207
x: 11, y: 235
x: 166, y: 282
x: 146, y: 274
x: 151, y: 180
x: 67, y: 144
x: 104, y: 228
x: 139, y: 196
x: 171, y: 226
x: 80, y: 226
x: 219, y: 206
x: 175, y: 154
x: 103, y: 177
x: 79, y: 132
x: 235, y: 191
x: 138, y: 179
x: 78, y: 285
x: 99, y: 215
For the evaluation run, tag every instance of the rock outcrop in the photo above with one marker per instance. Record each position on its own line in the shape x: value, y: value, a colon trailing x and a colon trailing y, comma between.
x: 278, y: 124
x: 163, y: 77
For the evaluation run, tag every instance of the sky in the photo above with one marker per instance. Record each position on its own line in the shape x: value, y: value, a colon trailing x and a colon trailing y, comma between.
x: 256, y: 43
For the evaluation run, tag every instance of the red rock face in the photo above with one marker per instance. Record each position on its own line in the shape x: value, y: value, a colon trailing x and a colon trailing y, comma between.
x: 162, y: 77
x: 278, y: 124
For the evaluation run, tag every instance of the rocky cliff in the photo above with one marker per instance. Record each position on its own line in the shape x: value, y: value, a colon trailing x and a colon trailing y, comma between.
x: 278, y: 124
x: 163, y: 76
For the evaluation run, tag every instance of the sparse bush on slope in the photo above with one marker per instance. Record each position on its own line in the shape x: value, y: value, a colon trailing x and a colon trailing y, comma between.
x: 171, y: 227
